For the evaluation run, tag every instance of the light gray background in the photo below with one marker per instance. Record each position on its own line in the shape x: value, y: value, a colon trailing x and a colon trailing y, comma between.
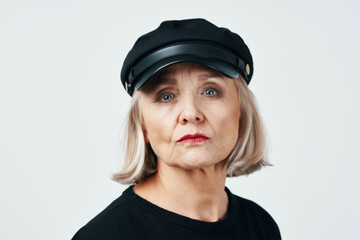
x: 62, y: 108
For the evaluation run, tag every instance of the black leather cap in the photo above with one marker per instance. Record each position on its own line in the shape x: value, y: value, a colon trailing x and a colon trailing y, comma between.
x: 190, y: 40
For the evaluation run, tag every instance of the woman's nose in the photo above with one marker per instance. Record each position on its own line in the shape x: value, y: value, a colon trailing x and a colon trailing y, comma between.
x: 190, y: 111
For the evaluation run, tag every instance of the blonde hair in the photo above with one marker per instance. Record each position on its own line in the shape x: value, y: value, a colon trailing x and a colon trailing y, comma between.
x: 248, y: 155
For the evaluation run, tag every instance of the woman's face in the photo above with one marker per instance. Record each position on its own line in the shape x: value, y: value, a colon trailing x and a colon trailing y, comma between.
x: 190, y: 115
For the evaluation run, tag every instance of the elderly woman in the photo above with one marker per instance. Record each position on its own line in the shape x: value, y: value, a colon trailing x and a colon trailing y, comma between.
x: 192, y: 123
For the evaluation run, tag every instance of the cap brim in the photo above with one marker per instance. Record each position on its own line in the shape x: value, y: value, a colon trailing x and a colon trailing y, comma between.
x: 215, y: 64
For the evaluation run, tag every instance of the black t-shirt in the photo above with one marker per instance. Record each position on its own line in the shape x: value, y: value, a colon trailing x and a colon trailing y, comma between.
x: 132, y: 217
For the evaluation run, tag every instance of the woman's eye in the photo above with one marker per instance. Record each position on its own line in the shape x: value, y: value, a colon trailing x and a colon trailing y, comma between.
x: 166, y: 97
x: 210, y: 92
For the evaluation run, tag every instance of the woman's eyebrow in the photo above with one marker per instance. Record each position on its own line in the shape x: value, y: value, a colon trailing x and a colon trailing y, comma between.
x: 165, y: 77
x: 166, y: 80
x: 158, y: 80
x: 204, y: 76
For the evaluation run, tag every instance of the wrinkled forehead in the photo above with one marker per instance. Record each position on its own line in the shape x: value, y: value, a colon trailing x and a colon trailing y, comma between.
x: 171, y: 74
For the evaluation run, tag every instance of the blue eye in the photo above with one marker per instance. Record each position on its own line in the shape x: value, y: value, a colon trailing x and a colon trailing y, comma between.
x: 210, y: 92
x: 167, y: 97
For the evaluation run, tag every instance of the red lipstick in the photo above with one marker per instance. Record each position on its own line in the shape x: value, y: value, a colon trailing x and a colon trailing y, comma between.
x: 195, y: 138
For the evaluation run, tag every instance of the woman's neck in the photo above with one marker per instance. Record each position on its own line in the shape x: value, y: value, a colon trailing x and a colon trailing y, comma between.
x: 197, y: 193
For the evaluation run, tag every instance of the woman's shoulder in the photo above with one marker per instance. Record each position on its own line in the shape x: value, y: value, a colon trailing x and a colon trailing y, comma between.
x: 108, y: 222
x: 256, y: 217
x: 251, y: 208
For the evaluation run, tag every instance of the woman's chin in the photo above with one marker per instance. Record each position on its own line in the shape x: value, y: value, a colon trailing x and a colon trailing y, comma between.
x: 195, y: 163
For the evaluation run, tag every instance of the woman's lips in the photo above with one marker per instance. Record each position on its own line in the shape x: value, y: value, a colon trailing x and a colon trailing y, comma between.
x: 195, y: 138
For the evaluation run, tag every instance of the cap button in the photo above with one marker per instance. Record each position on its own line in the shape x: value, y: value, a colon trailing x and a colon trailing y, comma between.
x: 126, y: 86
x: 247, y: 68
